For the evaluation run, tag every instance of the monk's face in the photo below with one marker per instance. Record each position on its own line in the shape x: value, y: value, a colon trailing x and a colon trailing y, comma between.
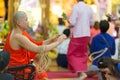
x: 23, y: 22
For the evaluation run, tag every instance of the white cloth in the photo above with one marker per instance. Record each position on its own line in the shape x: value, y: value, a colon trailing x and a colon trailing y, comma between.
x: 61, y: 28
x: 116, y: 51
x: 63, y: 47
x: 81, y: 19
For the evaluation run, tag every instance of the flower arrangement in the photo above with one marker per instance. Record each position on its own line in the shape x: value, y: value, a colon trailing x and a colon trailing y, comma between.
x: 53, y: 30
x: 110, y: 17
x: 4, y: 30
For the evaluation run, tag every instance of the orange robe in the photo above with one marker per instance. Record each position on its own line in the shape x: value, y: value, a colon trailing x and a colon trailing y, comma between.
x: 24, y: 55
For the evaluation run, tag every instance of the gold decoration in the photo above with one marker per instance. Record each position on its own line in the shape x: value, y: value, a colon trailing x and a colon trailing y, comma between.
x: 2, y: 8
x: 41, y: 60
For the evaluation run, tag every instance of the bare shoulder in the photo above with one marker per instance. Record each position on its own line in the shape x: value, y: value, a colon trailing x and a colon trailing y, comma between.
x: 21, y: 39
x: 18, y: 40
x: 19, y: 36
x: 15, y: 41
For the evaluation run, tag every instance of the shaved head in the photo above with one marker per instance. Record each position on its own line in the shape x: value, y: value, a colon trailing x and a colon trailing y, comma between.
x: 18, y: 16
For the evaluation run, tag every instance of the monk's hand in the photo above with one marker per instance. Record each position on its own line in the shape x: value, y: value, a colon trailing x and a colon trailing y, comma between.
x: 61, y: 38
x: 55, y: 37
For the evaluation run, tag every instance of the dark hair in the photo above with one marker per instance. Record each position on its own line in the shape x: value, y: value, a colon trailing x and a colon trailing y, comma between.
x: 104, y: 62
x: 97, y: 25
x: 4, y: 59
x: 67, y: 32
x: 111, y: 64
x: 61, y: 22
x: 104, y: 26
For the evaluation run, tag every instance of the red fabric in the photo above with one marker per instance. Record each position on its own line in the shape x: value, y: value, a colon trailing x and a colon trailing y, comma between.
x: 29, y: 37
x: 14, y: 59
x: 41, y: 76
x: 65, y: 74
x: 32, y: 54
x: 78, y: 54
x: 94, y: 32
x: 24, y: 55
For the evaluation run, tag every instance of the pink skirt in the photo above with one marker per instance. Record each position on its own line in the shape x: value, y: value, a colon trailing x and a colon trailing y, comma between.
x: 78, y: 54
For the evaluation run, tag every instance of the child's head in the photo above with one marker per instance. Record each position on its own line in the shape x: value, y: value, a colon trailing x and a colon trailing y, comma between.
x: 4, y: 60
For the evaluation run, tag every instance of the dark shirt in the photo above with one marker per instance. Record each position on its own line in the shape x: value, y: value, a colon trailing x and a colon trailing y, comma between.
x: 6, y: 76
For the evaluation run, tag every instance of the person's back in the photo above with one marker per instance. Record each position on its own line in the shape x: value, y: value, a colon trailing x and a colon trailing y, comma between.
x: 103, y: 41
x: 81, y: 19
x: 4, y: 60
x: 6, y: 76
x: 24, y: 55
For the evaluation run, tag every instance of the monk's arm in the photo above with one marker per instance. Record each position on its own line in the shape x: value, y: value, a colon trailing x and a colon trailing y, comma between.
x: 53, y: 39
x: 24, y: 42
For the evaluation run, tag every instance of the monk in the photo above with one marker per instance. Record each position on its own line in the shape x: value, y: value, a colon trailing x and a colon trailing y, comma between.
x: 19, y: 44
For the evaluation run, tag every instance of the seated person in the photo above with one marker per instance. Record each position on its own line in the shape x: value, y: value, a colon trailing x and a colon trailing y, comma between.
x: 4, y: 60
x: 62, y: 50
x: 20, y: 45
x: 94, y: 30
x: 109, y: 68
x: 61, y: 25
x: 103, y: 45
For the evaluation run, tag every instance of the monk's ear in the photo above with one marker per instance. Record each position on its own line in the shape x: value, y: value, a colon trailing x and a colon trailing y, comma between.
x: 18, y: 22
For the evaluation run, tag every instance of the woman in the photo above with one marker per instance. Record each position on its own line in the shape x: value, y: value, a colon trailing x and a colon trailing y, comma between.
x: 110, y: 68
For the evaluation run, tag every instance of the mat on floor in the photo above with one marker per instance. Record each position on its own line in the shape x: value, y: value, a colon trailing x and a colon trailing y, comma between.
x: 60, y: 74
